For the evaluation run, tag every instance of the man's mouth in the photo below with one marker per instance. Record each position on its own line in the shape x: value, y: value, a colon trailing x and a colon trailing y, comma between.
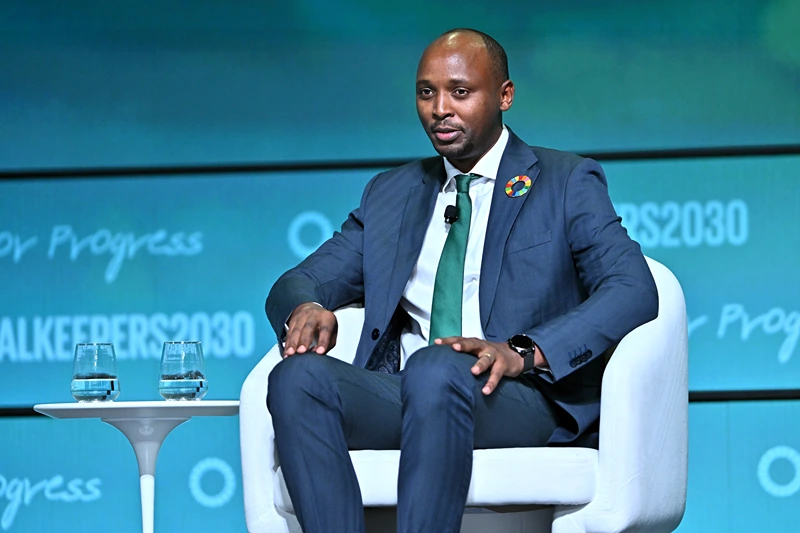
x: 446, y: 134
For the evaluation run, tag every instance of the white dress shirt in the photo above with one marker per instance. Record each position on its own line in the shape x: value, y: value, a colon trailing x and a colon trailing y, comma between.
x: 418, y: 294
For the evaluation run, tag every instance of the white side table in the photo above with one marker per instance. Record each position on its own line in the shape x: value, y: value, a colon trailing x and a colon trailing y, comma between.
x: 146, y: 425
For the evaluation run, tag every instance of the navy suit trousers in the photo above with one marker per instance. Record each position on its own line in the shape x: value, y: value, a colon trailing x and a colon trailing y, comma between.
x: 433, y: 411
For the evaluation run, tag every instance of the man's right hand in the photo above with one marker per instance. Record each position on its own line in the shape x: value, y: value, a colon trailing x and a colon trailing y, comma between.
x: 310, y: 326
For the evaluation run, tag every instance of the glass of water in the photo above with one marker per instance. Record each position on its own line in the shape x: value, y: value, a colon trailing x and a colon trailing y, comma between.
x: 183, y: 372
x: 94, y: 373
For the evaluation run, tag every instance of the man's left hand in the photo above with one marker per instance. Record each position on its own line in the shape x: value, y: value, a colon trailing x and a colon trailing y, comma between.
x: 497, y: 357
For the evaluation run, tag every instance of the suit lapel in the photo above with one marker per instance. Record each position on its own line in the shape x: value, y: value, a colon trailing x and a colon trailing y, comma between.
x: 518, y: 159
x: 419, y: 204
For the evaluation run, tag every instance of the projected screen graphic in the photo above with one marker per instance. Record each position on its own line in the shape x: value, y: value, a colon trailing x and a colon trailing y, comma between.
x: 138, y: 261
x: 87, y: 83
x: 744, y: 468
x: 728, y: 229
x: 73, y: 476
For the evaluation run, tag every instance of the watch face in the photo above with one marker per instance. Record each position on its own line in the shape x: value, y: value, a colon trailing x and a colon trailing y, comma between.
x: 522, y: 342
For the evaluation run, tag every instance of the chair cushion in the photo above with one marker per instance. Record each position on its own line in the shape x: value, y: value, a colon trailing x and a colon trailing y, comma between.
x: 506, y: 476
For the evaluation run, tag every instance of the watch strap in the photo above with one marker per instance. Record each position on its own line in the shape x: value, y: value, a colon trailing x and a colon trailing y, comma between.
x: 528, y: 361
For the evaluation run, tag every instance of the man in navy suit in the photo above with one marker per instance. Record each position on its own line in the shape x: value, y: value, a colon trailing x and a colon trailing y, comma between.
x: 511, y: 355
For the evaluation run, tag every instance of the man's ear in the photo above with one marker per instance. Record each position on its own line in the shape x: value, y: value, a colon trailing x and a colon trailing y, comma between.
x: 506, y: 95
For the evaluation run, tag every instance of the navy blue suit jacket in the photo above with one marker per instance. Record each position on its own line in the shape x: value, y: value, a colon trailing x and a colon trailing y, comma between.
x: 557, y: 266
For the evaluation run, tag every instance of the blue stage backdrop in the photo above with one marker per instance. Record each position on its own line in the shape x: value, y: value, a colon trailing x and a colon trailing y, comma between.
x: 140, y: 260
x: 93, y: 83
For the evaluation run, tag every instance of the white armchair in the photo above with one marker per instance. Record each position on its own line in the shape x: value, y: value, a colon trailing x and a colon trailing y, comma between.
x: 635, y: 482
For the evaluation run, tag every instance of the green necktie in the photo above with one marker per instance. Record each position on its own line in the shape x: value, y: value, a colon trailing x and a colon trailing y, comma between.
x: 448, y: 289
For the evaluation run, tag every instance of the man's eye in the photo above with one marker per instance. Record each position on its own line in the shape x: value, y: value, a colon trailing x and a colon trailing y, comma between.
x: 461, y: 92
x: 425, y: 93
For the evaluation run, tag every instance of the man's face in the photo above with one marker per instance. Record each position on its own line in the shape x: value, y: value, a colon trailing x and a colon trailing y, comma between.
x: 460, y: 99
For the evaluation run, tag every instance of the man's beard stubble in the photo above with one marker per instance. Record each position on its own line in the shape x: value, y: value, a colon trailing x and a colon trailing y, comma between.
x: 455, y: 152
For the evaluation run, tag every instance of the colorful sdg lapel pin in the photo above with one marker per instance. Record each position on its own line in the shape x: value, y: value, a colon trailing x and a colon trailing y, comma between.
x: 518, y: 186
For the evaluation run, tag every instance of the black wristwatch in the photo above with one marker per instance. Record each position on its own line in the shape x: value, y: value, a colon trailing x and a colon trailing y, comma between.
x: 524, y: 346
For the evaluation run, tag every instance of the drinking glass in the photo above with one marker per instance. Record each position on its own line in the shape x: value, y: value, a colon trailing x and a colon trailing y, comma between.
x: 94, y: 373
x: 182, y: 371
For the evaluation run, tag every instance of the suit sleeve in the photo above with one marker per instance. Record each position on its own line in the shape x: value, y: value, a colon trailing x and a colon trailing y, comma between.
x: 612, y: 269
x: 332, y: 276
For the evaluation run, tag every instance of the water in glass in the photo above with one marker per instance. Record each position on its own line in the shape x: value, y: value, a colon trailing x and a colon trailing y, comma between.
x: 182, y: 371
x: 95, y: 387
x: 94, y: 375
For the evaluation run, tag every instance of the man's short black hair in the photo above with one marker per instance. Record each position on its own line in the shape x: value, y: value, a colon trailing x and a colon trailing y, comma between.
x: 497, y: 55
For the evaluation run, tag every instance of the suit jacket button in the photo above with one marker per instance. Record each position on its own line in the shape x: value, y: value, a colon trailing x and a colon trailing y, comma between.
x: 375, y: 334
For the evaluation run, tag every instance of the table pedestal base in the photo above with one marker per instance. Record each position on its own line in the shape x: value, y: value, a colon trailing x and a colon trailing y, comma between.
x: 146, y: 425
x: 146, y: 436
x: 147, y: 493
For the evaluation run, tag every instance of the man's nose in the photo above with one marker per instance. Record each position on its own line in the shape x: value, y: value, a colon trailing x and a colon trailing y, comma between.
x: 441, y: 107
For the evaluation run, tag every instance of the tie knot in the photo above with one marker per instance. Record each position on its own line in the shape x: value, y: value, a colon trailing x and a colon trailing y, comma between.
x: 462, y: 181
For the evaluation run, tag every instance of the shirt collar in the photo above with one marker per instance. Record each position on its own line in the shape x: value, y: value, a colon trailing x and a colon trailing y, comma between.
x: 487, y: 166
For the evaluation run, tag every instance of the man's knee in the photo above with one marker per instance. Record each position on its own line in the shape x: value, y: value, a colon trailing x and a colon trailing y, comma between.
x: 294, y: 377
x: 437, y: 369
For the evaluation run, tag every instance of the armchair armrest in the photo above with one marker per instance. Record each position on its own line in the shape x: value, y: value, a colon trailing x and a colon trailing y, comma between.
x: 643, y: 452
x: 259, y: 459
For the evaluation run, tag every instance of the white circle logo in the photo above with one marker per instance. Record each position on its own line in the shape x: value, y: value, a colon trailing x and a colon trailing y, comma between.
x: 314, y: 218
x: 229, y: 485
x: 767, y: 483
